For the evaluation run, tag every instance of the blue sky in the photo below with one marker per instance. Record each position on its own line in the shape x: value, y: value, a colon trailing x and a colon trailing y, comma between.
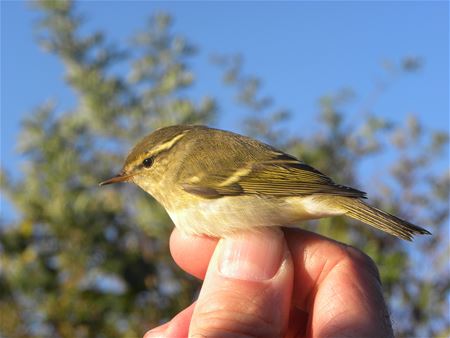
x: 301, y: 50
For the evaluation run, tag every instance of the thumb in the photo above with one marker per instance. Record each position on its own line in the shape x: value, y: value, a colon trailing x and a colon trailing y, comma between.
x: 247, y: 288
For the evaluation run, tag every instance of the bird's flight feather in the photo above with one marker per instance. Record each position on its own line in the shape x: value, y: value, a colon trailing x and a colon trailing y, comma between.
x: 283, y: 175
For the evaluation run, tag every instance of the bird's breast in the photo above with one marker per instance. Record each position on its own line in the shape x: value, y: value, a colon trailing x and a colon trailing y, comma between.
x: 224, y: 216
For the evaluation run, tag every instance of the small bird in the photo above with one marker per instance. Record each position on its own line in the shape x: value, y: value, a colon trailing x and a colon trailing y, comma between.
x: 216, y: 183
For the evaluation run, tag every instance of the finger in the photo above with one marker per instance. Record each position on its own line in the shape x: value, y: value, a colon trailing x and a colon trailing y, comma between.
x: 157, y: 332
x: 192, y: 253
x: 338, y: 286
x: 177, y: 327
x: 247, y: 288
x: 313, y: 256
x: 298, y: 321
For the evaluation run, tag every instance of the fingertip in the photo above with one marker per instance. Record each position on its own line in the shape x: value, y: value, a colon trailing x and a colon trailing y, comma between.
x: 247, y: 290
x: 192, y: 253
x: 158, y: 332
x: 177, y: 327
x: 338, y: 286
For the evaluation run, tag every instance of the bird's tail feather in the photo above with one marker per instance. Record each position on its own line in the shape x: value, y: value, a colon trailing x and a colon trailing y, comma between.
x: 379, y: 219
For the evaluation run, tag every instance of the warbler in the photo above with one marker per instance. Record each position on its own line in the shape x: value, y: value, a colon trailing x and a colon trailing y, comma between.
x: 216, y: 183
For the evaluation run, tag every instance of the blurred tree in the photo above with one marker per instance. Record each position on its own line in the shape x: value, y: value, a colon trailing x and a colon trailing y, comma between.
x: 416, y: 283
x: 83, y: 261
x: 86, y: 262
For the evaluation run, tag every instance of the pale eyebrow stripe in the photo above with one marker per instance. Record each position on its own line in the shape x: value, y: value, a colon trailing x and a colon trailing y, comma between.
x: 168, y: 144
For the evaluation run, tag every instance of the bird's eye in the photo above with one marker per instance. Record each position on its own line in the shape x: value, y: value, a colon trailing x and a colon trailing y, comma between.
x: 148, y: 162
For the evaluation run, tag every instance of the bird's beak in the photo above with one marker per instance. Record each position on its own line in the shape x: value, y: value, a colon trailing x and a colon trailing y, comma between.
x: 121, y: 177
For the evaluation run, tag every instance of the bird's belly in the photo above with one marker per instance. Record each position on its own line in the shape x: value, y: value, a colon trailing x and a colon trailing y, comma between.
x: 225, y: 216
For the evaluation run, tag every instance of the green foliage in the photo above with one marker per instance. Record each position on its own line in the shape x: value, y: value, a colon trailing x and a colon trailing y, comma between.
x: 87, y: 262
x: 415, y: 276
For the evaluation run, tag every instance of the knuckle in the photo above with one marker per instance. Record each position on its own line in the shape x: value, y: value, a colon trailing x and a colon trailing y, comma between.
x: 243, y: 320
x: 361, y: 259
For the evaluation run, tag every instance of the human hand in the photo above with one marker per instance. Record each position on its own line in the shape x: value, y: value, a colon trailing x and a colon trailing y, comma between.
x: 275, y: 284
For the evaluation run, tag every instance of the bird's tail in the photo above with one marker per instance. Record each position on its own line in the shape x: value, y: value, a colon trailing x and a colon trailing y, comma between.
x: 379, y: 219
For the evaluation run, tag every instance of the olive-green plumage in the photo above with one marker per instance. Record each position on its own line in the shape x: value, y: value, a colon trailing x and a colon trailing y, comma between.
x: 204, y: 176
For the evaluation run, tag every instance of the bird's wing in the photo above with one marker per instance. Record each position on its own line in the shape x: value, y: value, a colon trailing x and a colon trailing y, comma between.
x: 281, y: 176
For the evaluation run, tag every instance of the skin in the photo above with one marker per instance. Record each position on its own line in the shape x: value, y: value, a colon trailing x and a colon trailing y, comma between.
x: 260, y: 281
x: 278, y: 284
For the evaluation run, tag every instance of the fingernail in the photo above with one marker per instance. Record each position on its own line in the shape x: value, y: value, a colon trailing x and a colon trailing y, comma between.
x: 252, y: 255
